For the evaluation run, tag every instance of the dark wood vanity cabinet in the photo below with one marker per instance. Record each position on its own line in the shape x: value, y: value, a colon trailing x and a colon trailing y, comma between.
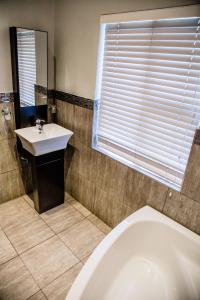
x: 43, y: 175
x: 47, y: 179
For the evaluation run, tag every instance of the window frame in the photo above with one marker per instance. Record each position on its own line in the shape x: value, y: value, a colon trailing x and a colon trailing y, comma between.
x: 156, y: 14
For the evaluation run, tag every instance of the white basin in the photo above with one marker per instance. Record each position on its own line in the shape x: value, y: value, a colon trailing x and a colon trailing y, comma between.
x: 52, y: 138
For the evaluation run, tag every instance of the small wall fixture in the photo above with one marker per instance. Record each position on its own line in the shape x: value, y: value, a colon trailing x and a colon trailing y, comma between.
x: 6, y: 113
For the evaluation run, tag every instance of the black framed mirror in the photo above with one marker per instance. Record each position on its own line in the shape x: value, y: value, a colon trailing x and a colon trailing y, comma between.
x: 29, y: 58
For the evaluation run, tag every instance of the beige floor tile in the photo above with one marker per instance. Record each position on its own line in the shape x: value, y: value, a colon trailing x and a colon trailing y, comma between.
x: 7, y: 251
x: 85, y: 259
x: 38, y: 296
x: 26, y: 236
x: 16, y: 212
x: 58, y: 289
x: 16, y: 283
x: 99, y: 224
x: 62, y: 217
x: 77, y: 205
x: 82, y: 238
x: 48, y: 260
x: 29, y: 200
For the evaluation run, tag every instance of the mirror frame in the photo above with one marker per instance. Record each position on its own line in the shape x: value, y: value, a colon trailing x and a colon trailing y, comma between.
x: 15, y: 71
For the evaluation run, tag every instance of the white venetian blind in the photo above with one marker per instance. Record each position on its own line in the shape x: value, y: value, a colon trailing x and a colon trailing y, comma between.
x: 27, y: 66
x: 149, y: 103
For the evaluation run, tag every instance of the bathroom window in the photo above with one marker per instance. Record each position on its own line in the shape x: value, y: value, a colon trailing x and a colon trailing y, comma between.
x: 27, y: 66
x: 148, y: 92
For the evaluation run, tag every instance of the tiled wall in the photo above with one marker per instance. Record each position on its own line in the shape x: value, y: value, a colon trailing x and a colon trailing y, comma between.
x: 110, y: 189
x: 11, y: 185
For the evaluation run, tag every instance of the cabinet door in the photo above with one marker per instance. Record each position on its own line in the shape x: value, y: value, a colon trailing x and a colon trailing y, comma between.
x: 50, y: 181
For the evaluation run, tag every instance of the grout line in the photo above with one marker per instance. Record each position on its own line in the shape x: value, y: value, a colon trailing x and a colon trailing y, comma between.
x: 11, y: 243
x: 89, y: 216
x: 68, y: 248
x: 80, y: 262
x: 103, y: 224
x: 167, y: 193
x: 36, y: 294
x: 18, y: 256
x: 23, y: 252
x: 31, y: 275
x: 9, y: 260
x: 84, y: 218
x: 57, y: 233
x: 97, y: 226
x: 9, y: 171
x: 37, y: 244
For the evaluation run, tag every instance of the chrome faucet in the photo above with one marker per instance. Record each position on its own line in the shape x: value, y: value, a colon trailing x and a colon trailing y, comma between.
x: 39, y: 125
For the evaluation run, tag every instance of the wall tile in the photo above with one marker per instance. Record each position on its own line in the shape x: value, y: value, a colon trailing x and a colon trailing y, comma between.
x: 109, y: 174
x: 82, y: 126
x: 191, y: 185
x: 109, y: 207
x: 8, y: 161
x: 183, y: 210
x: 156, y: 193
x: 83, y: 190
x: 111, y: 190
x: 7, y: 127
x: 11, y: 185
x: 142, y: 190
x: 65, y: 115
x: 10, y: 177
x: 135, y: 196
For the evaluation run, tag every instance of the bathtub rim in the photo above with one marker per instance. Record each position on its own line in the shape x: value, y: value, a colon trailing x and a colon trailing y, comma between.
x: 143, y: 214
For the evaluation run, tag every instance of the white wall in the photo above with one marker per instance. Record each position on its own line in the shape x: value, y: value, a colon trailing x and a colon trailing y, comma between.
x: 34, y: 14
x: 76, y: 38
x: 76, y: 35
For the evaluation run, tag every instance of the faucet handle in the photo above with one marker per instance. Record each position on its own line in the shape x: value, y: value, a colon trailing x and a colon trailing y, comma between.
x: 40, y: 122
x: 37, y: 122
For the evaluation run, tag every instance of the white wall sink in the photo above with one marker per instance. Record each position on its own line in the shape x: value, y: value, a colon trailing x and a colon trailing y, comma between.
x: 52, y: 138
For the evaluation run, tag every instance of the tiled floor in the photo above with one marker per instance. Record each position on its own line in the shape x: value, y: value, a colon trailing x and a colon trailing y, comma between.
x: 41, y: 255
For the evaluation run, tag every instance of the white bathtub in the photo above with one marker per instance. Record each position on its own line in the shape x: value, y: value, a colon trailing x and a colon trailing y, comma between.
x: 146, y: 257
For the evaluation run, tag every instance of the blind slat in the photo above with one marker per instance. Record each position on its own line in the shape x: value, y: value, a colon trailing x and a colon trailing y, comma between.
x: 27, y: 66
x: 150, y: 94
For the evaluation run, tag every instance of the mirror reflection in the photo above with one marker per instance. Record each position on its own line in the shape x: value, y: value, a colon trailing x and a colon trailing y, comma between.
x: 32, y: 66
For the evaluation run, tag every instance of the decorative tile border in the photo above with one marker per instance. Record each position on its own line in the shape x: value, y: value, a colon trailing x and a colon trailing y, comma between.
x: 41, y: 89
x: 76, y: 100
x: 70, y: 98
x: 50, y: 93
x: 6, y: 97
